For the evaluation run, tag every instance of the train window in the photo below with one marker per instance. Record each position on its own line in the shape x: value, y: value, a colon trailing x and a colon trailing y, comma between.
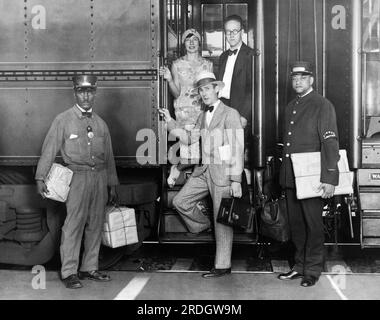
x: 371, y: 57
x: 212, y: 29
x: 212, y: 26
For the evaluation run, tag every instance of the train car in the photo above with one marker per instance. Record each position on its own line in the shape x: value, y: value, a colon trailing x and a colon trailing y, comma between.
x: 124, y: 43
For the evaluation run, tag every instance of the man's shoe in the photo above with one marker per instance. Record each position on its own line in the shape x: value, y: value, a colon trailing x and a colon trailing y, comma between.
x: 308, y: 281
x: 94, y: 275
x: 291, y: 275
x: 72, y: 282
x: 215, y: 273
x: 206, y: 232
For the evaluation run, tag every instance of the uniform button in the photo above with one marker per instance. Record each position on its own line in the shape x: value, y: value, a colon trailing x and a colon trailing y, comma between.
x: 294, y: 111
x: 291, y: 122
x: 288, y: 144
x: 89, y: 143
x: 287, y: 155
x: 289, y: 133
x: 92, y: 168
x: 92, y: 157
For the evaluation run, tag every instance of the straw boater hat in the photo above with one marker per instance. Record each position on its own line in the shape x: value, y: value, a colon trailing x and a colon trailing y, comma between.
x: 206, y: 77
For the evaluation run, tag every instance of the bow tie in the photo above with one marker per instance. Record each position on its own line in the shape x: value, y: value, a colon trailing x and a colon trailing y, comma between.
x: 231, y: 52
x: 87, y: 114
x: 209, y: 108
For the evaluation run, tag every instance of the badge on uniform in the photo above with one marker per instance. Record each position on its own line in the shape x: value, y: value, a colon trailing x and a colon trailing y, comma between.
x: 90, y: 133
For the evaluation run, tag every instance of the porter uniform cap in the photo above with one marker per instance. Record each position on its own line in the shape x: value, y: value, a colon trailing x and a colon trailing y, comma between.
x: 301, y: 67
x: 85, y: 81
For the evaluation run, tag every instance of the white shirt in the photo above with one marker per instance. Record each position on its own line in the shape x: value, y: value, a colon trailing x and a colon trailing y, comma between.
x: 81, y: 109
x: 209, y: 114
x: 227, y: 76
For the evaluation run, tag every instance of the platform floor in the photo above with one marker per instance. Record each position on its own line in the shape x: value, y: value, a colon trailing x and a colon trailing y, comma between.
x: 173, y: 272
x: 18, y: 285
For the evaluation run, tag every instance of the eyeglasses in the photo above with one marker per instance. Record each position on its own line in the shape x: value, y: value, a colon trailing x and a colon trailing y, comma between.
x: 234, y: 32
x: 299, y: 78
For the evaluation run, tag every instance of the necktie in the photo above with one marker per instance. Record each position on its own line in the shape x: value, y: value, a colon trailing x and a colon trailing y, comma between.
x: 209, y: 108
x: 87, y: 114
x: 231, y: 52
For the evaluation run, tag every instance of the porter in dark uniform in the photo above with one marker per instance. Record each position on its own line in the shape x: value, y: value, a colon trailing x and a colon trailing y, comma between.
x: 310, y: 125
x: 84, y: 142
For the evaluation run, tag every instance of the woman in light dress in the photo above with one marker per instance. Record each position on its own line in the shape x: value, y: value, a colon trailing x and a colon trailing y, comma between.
x: 187, y: 104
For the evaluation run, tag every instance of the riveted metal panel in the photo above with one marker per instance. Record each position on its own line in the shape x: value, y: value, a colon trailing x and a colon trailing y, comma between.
x: 117, y: 40
x: 66, y: 37
x: 123, y: 32
x: 12, y: 32
x: 24, y: 127
x: 85, y: 34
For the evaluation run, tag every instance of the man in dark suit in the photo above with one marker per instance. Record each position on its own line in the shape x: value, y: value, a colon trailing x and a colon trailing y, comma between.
x: 235, y: 70
x: 310, y: 125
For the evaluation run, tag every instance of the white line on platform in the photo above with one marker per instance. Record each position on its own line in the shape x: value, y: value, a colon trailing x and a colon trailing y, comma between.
x: 133, y: 289
x: 336, y: 288
x: 338, y: 266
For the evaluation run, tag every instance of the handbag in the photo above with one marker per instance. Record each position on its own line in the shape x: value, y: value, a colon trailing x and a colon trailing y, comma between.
x: 235, y: 212
x: 274, y: 220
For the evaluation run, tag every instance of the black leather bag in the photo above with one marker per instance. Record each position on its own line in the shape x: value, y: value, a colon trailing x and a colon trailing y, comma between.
x: 236, y: 212
x: 274, y: 220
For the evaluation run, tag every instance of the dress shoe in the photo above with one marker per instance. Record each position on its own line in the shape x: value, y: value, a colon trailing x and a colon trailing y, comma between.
x: 206, y: 232
x: 93, y: 275
x: 308, y: 281
x: 215, y: 273
x: 72, y: 282
x: 291, y: 275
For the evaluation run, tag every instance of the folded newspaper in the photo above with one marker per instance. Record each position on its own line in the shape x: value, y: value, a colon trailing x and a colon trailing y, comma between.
x: 58, y: 182
x: 307, y: 171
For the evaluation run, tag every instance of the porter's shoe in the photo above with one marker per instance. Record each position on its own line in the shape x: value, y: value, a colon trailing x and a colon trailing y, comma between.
x: 291, y: 275
x: 72, y: 282
x: 94, y: 275
x: 215, y: 273
x: 308, y: 281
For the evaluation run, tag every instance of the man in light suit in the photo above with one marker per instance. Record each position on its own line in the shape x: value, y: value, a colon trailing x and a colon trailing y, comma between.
x: 235, y: 70
x: 220, y: 174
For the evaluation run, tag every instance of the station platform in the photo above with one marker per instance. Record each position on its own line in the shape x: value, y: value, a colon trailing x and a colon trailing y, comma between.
x: 171, y: 272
